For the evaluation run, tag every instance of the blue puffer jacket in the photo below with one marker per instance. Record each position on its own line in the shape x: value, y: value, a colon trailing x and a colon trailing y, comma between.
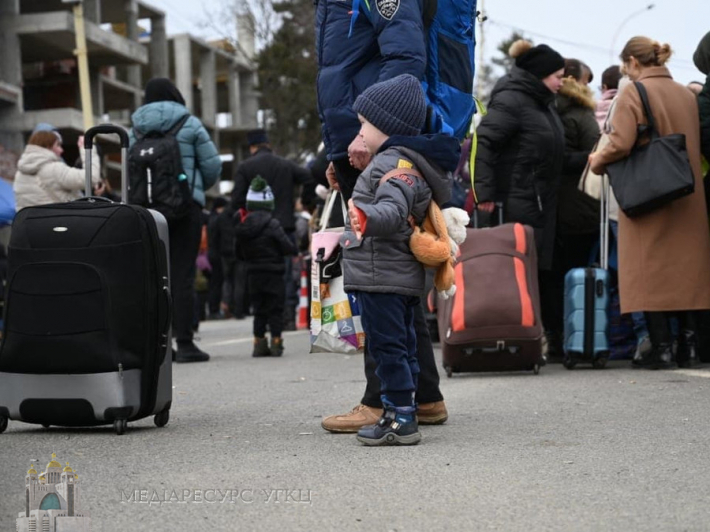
x: 387, y: 40
x: 195, y: 142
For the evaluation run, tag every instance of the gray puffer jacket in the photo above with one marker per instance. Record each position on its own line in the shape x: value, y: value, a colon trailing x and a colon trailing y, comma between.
x: 382, y: 261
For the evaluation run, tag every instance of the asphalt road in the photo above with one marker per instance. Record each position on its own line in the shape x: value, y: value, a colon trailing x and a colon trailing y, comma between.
x: 563, y: 451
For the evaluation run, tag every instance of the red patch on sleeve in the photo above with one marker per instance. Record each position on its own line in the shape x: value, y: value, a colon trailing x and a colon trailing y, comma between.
x: 407, y: 180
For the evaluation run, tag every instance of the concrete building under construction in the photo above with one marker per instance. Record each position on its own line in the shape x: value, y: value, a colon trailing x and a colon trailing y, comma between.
x: 127, y: 44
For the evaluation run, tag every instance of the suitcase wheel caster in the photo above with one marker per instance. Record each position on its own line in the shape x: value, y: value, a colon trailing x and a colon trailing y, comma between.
x: 536, y: 369
x: 449, y: 371
x: 120, y: 426
x: 599, y: 363
x: 3, y: 424
x: 569, y: 363
x: 161, y: 418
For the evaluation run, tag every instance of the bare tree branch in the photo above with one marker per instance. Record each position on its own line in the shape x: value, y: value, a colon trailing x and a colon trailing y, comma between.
x: 257, y: 17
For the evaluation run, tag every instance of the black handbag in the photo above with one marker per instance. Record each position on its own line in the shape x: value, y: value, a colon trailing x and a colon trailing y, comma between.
x: 654, y: 174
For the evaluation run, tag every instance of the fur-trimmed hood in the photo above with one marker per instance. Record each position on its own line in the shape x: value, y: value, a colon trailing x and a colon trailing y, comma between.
x: 576, y: 94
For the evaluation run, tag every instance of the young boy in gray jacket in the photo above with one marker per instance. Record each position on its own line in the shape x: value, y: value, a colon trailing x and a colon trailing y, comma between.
x: 378, y: 266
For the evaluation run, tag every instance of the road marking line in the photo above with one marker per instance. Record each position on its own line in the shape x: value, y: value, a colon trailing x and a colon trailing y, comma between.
x: 705, y: 374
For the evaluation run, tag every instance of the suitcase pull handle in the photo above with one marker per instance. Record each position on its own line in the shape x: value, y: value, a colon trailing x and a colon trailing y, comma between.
x: 104, y: 129
x: 88, y: 146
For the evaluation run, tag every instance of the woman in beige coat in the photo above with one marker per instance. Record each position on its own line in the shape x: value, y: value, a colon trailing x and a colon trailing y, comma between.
x: 42, y: 175
x: 664, y: 256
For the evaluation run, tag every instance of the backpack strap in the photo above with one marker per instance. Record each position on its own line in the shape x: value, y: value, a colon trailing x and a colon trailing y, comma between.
x: 429, y: 12
x: 474, y: 149
x: 400, y: 172
x: 173, y: 131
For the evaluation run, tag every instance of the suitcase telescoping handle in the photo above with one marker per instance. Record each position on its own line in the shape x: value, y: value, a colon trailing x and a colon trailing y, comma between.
x: 604, y: 223
x: 88, y: 146
x: 499, y: 210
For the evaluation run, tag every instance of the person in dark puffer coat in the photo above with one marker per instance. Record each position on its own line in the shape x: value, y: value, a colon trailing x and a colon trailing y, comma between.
x: 262, y: 243
x: 521, y: 155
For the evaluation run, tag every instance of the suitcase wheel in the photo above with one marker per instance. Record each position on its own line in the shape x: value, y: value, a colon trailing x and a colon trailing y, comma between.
x: 3, y: 424
x: 569, y: 362
x: 599, y: 363
x: 120, y: 426
x: 449, y: 371
x: 536, y: 369
x: 161, y: 418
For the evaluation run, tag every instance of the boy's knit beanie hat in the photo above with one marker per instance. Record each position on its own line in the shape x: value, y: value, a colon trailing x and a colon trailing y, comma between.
x: 395, y: 107
x: 259, y: 196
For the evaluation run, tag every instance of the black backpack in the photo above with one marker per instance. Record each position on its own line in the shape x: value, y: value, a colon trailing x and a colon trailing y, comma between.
x: 156, y: 178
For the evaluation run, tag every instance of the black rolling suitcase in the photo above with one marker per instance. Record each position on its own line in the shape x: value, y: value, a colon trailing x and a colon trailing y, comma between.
x: 86, y: 337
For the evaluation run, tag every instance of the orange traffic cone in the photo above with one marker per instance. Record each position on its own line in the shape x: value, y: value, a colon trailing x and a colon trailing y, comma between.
x: 303, y: 306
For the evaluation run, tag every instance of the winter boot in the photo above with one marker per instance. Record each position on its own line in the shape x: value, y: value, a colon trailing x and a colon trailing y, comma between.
x: 397, y: 426
x: 277, y: 346
x: 189, y: 352
x: 643, y: 357
x: 261, y: 348
x: 662, y: 356
x: 687, y: 355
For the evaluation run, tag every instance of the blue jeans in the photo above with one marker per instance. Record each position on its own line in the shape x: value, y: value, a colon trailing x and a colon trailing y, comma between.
x: 637, y: 317
x: 390, y: 337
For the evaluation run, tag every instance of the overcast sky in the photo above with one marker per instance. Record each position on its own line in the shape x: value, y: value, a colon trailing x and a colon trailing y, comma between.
x: 581, y: 29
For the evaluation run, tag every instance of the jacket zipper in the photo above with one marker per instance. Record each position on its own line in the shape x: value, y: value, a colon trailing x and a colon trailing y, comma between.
x: 537, y: 192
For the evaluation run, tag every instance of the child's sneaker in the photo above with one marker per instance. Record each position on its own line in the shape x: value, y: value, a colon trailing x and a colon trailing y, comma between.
x: 261, y: 348
x: 277, y: 347
x: 397, y: 426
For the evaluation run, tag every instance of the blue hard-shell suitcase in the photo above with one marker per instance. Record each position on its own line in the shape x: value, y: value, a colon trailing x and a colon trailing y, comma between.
x: 586, y: 304
x: 586, y: 317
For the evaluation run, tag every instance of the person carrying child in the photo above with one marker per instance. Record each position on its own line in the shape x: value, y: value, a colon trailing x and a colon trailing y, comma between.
x: 378, y: 265
x: 262, y: 243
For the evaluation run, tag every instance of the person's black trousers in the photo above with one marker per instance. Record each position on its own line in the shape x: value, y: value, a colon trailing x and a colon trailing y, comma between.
x: 216, y: 285
x: 267, y: 292
x: 185, y: 235
x: 236, y: 293
x: 428, y: 384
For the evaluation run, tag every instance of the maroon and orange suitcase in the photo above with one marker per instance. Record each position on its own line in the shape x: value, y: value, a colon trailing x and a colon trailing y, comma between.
x: 493, y: 321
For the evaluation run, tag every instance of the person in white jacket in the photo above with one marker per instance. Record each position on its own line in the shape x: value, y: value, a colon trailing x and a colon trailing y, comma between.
x: 42, y: 175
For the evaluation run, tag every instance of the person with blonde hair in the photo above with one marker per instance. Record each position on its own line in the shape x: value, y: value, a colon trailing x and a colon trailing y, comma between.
x: 42, y: 175
x: 664, y: 255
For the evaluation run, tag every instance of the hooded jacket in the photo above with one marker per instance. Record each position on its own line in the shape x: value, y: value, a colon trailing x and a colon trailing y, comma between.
x: 520, y: 156
x: 578, y: 213
x: 43, y: 177
x: 702, y: 61
x: 261, y: 241
x: 200, y: 159
x: 381, y: 261
x: 387, y: 40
